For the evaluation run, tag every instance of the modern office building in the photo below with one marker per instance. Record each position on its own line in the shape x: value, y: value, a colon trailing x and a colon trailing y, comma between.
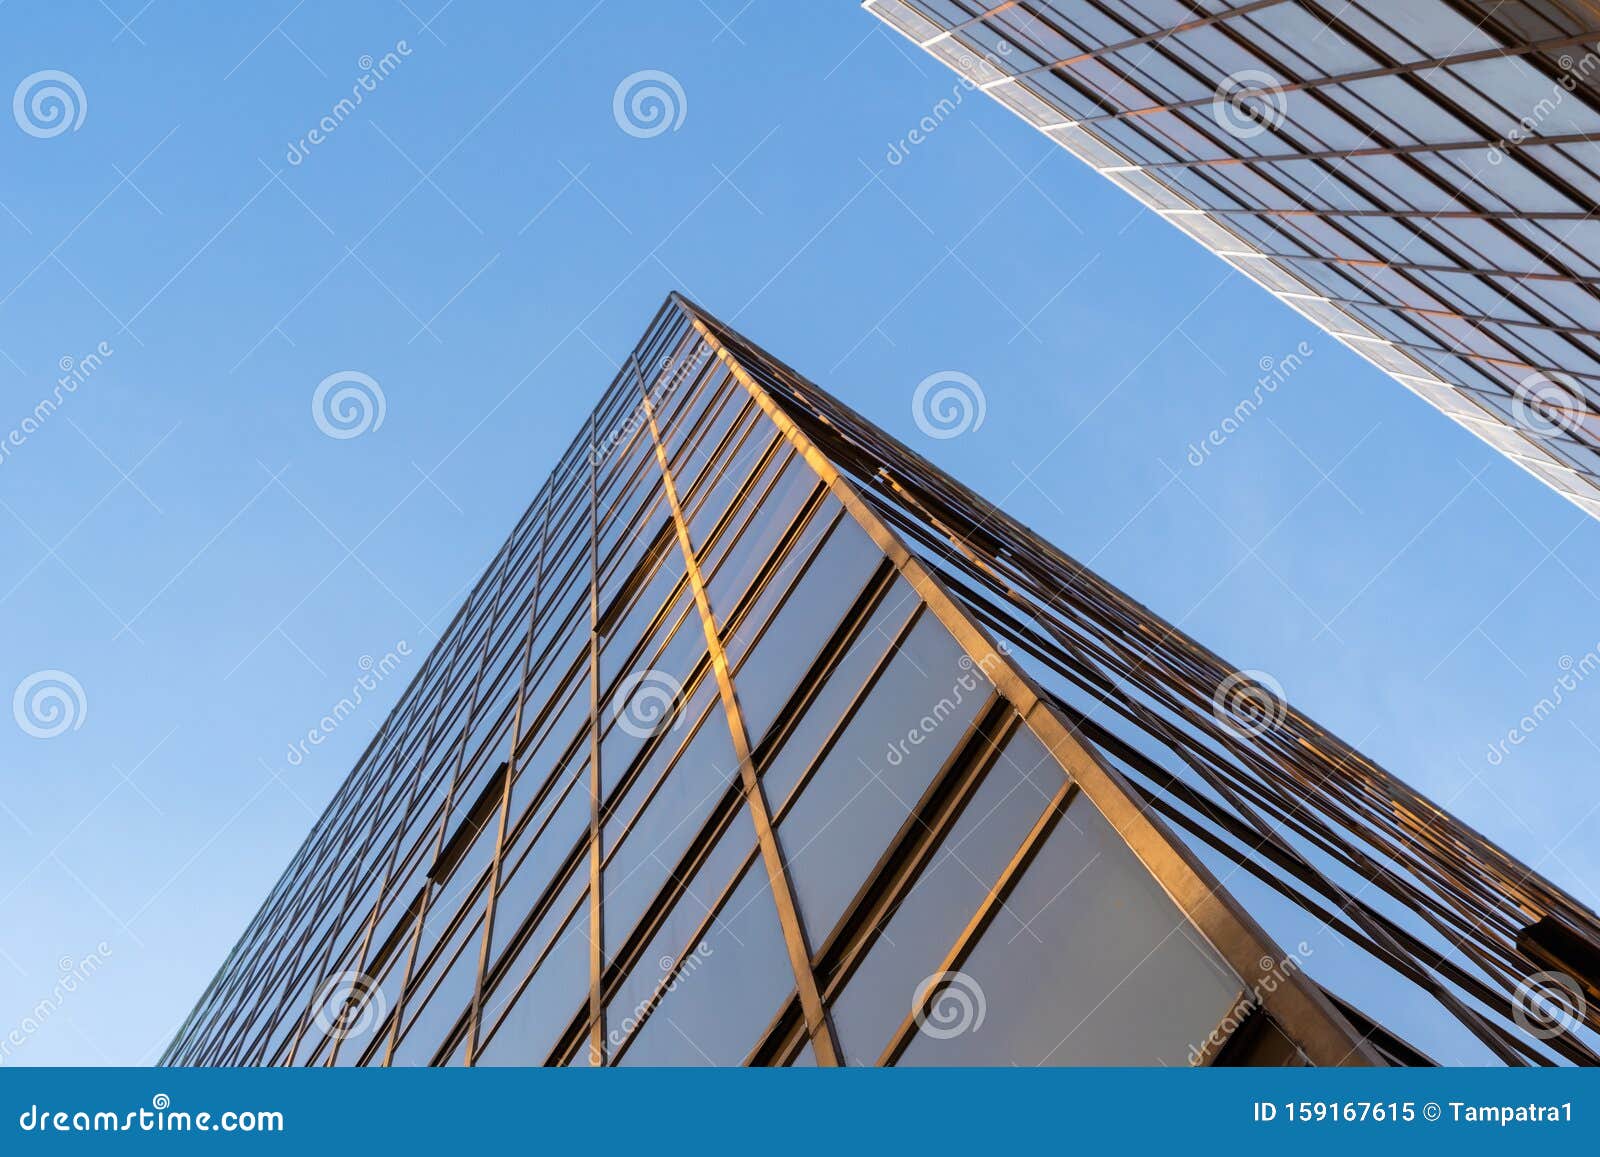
x: 1418, y: 178
x: 763, y: 741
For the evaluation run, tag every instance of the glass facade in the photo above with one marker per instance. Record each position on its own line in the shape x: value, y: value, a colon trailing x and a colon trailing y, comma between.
x: 1419, y: 179
x: 760, y: 741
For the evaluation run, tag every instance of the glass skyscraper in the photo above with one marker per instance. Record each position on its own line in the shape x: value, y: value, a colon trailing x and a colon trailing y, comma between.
x: 762, y: 741
x: 1419, y: 178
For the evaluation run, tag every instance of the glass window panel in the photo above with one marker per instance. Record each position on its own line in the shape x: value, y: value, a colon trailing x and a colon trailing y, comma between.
x: 652, y: 697
x: 799, y: 558
x: 717, y: 1012
x: 1090, y: 962
x: 871, y: 780
x: 540, y: 848
x: 559, y: 988
x: 624, y: 635
x: 810, y: 614
x: 433, y: 1021
x: 923, y: 928
x: 710, y: 490
x: 677, y: 937
x: 658, y: 830
x: 731, y: 563
x: 843, y: 683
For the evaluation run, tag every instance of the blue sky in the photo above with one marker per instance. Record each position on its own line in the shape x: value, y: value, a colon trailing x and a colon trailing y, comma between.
x: 481, y: 239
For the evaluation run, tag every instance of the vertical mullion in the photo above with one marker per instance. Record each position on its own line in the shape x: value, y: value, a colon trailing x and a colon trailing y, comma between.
x: 491, y: 903
x: 597, y: 962
x: 818, y: 1026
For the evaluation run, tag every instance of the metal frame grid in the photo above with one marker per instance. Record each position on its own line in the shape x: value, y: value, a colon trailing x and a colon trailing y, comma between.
x: 513, y: 875
x: 1419, y: 180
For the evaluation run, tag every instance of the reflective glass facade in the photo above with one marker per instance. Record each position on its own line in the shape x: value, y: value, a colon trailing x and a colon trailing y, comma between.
x: 1417, y: 178
x: 761, y: 741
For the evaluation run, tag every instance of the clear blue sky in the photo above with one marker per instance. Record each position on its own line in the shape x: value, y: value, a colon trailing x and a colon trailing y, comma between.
x: 482, y: 239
